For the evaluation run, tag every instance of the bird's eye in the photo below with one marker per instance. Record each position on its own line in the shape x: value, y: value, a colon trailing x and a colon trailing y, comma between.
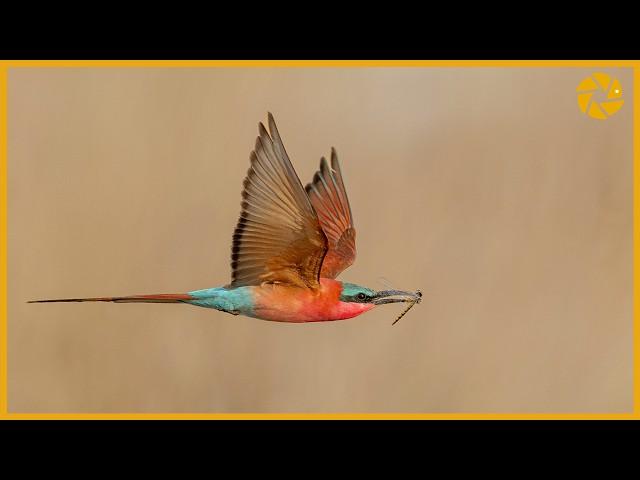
x: 362, y: 296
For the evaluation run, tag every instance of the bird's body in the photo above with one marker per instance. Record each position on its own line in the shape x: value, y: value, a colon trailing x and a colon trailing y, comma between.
x: 289, y: 245
x: 282, y: 303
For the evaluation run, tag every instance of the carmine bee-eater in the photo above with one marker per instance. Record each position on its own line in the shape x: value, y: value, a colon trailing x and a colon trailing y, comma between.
x: 289, y: 245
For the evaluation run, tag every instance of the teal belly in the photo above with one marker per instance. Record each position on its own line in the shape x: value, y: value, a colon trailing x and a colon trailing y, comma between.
x: 238, y: 301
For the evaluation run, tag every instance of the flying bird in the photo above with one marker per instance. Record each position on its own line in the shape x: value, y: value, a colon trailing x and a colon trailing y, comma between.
x: 289, y: 245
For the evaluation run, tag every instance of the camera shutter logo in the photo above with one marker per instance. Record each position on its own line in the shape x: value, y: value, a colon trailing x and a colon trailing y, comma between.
x: 600, y: 96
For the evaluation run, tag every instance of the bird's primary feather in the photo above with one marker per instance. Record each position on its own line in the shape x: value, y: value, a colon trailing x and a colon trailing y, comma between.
x: 329, y: 199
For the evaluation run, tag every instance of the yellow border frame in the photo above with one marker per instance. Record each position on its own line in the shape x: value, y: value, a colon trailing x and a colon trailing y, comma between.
x: 5, y: 65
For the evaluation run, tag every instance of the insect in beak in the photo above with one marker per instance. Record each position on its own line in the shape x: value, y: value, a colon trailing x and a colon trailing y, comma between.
x: 417, y: 298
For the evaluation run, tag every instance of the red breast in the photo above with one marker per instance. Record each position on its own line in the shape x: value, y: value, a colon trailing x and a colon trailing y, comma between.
x: 293, y: 304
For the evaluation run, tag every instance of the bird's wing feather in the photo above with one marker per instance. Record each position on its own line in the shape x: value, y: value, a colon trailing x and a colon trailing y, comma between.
x: 329, y: 199
x: 278, y: 238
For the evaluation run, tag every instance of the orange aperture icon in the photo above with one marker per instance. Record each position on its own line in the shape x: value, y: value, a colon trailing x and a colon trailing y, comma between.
x: 600, y: 96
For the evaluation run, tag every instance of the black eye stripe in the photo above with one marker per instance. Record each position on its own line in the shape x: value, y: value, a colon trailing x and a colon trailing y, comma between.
x: 359, y: 296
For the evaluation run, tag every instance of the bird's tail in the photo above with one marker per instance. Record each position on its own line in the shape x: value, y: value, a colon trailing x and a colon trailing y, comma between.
x: 159, y: 298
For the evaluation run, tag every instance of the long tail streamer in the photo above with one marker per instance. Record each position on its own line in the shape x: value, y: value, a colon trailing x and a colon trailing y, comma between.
x: 160, y: 298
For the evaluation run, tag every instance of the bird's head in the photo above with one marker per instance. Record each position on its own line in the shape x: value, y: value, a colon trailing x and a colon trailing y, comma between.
x: 352, y: 293
x: 355, y: 299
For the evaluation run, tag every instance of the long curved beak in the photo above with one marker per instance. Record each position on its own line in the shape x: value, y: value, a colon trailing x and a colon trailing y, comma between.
x: 396, y: 296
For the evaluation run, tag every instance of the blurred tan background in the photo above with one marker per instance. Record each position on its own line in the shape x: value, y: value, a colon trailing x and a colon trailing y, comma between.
x: 486, y: 188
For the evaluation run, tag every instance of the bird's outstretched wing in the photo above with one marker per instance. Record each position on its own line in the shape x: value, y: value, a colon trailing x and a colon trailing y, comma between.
x: 329, y: 199
x: 278, y: 238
